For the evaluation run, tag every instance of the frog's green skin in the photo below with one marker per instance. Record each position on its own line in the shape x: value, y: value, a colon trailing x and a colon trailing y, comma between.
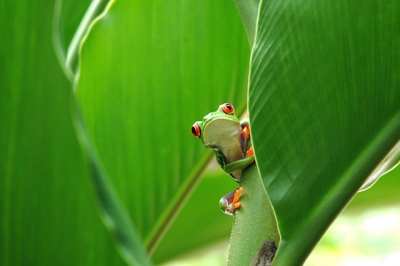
x: 223, y: 133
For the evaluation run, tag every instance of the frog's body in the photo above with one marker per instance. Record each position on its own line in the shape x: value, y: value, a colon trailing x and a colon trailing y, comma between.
x: 230, y: 139
x: 228, y: 145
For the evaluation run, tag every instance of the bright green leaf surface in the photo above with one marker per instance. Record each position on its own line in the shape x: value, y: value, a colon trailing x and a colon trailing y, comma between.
x: 148, y: 72
x: 48, y: 214
x: 324, y: 108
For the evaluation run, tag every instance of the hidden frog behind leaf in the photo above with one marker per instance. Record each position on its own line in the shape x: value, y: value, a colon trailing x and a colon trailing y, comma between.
x: 230, y: 139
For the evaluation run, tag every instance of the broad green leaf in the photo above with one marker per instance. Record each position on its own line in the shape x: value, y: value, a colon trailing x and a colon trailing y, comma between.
x: 324, y: 108
x: 148, y: 72
x: 47, y: 209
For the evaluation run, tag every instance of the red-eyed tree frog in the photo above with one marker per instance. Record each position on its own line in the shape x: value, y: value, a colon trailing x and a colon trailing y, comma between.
x: 230, y: 139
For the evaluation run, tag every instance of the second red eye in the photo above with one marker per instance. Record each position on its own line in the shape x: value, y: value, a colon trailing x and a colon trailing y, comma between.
x: 227, y: 108
x: 196, y: 130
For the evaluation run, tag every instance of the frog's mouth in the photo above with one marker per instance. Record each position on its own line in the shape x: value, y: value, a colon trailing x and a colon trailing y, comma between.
x: 212, y: 146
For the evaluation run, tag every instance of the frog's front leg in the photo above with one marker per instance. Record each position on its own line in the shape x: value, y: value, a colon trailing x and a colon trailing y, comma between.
x: 239, y: 164
x: 236, y: 165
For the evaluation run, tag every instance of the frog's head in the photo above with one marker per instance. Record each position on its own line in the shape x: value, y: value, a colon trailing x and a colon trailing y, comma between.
x: 217, y: 126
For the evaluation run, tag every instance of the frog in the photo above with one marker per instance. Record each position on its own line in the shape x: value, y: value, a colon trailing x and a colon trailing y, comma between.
x: 230, y: 139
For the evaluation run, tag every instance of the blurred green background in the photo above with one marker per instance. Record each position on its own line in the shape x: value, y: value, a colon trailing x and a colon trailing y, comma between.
x: 141, y: 86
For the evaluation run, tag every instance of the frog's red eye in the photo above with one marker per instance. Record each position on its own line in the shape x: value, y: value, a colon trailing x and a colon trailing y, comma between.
x: 227, y: 108
x: 196, y: 130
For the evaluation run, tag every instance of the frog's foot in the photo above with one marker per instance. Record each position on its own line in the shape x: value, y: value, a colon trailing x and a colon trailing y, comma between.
x: 250, y: 152
x: 230, y: 203
x: 235, y: 203
x: 246, y: 131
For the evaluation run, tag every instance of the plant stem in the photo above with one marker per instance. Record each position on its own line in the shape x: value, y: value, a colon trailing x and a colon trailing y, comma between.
x: 254, y: 223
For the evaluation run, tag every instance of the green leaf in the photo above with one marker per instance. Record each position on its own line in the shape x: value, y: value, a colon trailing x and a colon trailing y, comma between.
x: 48, y: 215
x: 147, y: 72
x: 324, y: 108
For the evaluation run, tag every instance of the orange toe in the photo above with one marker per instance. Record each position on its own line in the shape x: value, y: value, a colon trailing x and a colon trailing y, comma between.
x: 237, y: 196
x: 246, y: 132
x: 250, y: 152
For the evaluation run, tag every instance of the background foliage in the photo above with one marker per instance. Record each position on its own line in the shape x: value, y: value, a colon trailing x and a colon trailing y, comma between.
x: 149, y: 70
x: 48, y: 215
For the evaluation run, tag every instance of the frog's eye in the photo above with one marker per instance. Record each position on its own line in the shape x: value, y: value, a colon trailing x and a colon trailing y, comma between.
x: 196, y: 130
x: 227, y: 108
